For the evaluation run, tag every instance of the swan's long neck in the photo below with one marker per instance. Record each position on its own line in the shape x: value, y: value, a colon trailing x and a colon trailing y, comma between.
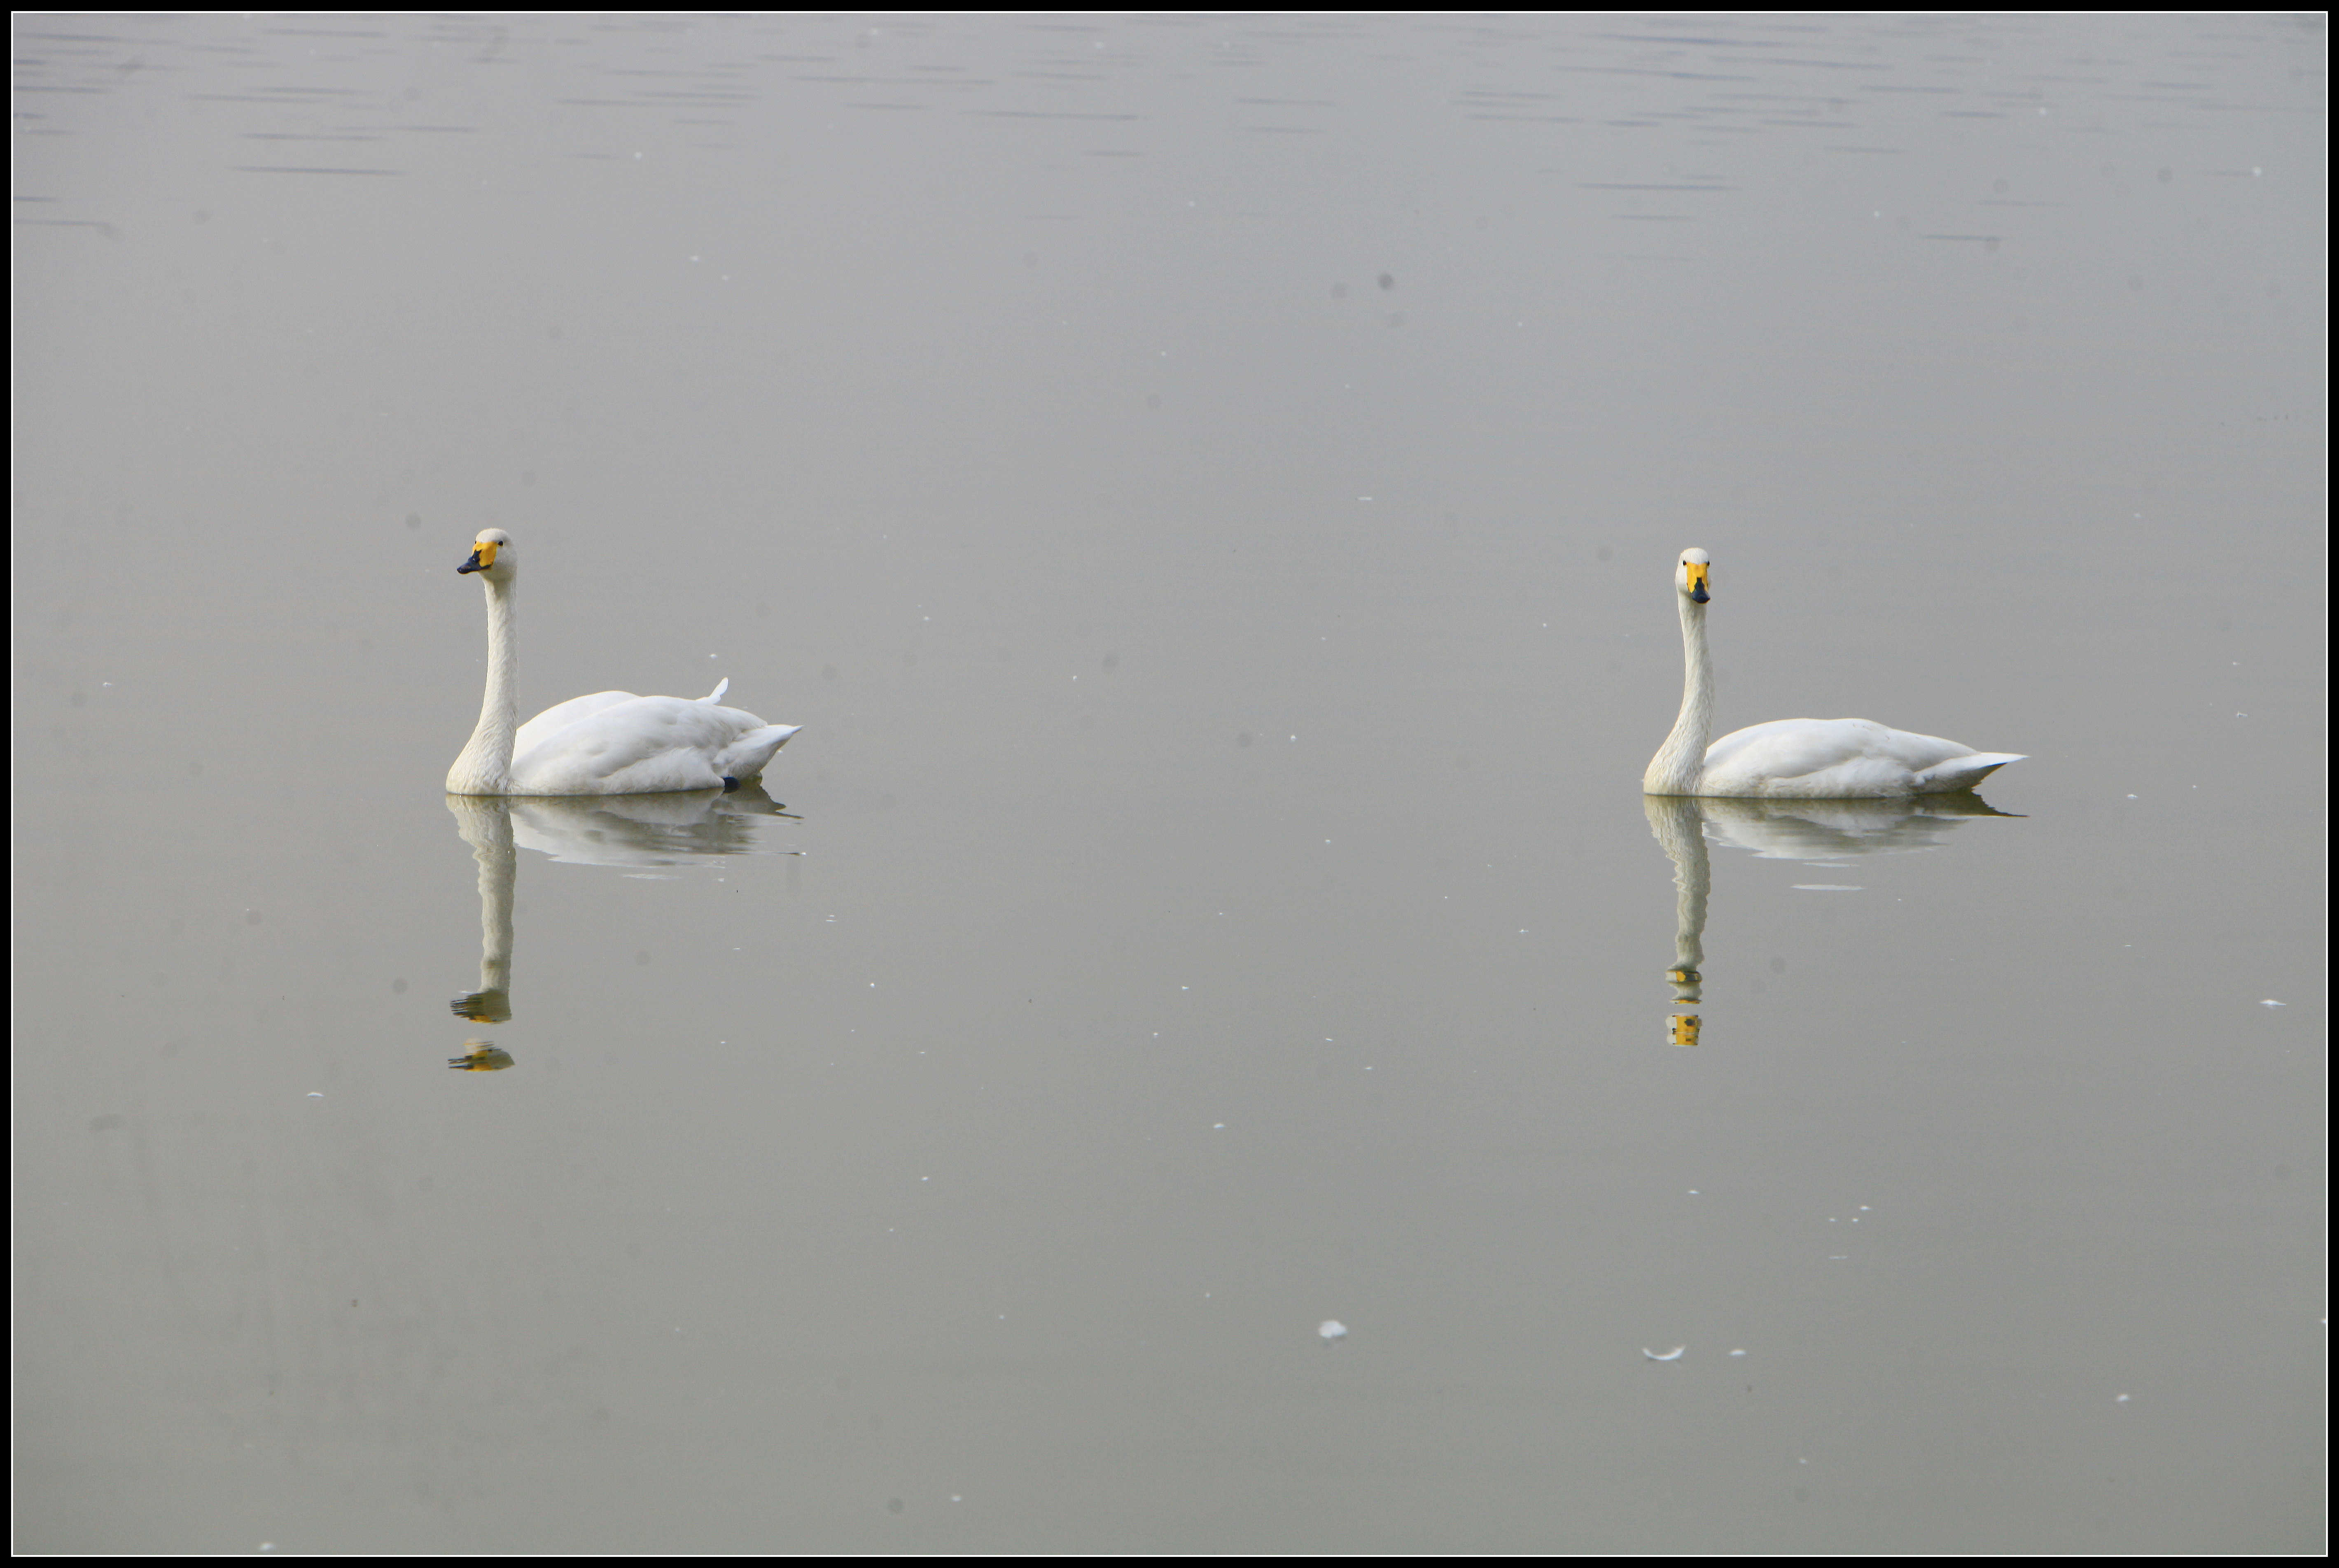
x: 1681, y: 761
x: 485, y: 764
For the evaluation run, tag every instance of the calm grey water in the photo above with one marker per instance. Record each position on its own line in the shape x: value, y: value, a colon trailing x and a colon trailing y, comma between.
x: 1208, y: 488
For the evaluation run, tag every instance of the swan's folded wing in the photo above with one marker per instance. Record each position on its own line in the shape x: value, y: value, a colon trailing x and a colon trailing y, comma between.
x: 1837, y: 758
x: 637, y: 745
x: 1797, y: 748
x: 560, y: 715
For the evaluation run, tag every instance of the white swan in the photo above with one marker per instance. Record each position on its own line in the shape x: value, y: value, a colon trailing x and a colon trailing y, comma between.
x: 1793, y: 759
x: 611, y: 742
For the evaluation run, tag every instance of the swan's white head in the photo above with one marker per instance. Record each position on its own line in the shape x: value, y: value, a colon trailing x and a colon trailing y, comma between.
x: 1695, y: 580
x: 492, y: 553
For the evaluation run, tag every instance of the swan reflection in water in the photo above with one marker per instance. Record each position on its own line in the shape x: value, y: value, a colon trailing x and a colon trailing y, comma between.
x: 1822, y: 830
x: 646, y: 835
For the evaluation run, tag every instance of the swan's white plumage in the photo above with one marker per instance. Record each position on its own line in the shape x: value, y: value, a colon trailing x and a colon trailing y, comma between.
x: 1793, y: 759
x: 610, y: 742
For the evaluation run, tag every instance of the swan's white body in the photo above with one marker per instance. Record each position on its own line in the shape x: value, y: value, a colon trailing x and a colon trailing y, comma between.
x: 1793, y: 759
x: 610, y: 742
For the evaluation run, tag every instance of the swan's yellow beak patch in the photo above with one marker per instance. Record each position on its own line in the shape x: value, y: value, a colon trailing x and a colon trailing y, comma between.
x: 483, y: 555
x: 1698, y: 581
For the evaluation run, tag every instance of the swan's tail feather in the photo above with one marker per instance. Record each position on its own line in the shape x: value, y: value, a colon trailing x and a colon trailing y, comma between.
x: 716, y: 694
x: 745, y: 757
x: 1963, y: 773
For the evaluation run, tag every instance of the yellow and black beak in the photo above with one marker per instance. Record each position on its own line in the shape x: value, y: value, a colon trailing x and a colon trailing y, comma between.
x: 1698, y: 579
x: 483, y: 555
